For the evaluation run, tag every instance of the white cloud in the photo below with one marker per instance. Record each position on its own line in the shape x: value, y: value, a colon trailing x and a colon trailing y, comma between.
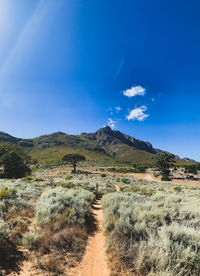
x: 112, y: 123
x: 138, y: 114
x: 118, y: 108
x: 134, y: 91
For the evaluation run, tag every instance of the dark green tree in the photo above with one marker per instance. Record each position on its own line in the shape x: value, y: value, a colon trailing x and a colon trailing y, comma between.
x: 14, y: 161
x: 162, y: 162
x: 73, y: 159
x: 6, y: 147
x: 14, y: 165
x: 191, y: 169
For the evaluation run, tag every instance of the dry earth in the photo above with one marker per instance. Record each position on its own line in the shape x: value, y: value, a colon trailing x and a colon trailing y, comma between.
x: 94, y: 261
x: 177, y: 177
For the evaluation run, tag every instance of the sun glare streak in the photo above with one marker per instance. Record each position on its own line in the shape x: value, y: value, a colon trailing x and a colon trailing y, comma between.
x: 21, y: 39
x: 5, y: 18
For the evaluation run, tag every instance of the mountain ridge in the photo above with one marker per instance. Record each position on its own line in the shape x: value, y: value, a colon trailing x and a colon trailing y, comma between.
x: 103, y: 145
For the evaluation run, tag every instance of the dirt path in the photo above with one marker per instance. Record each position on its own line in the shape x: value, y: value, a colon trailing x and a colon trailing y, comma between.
x: 150, y: 177
x: 94, y: 260
x: 117, y: 188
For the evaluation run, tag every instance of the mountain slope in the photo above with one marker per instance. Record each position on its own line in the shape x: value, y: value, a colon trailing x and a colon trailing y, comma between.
x: 105, y: 145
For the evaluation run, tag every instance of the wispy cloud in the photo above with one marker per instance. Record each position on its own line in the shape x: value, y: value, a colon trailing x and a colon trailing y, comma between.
x: 111, y: 123
x: 134, y: 91
x: 118, y: 109
x: 121, y: 65
x: 138, y: 114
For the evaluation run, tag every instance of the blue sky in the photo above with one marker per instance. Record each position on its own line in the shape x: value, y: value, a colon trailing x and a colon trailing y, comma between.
x: 77, y: 65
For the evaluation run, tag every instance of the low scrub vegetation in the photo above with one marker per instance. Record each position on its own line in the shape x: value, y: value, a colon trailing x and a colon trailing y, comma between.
x: 73, y: 206
x: 154, y: 233
x: 63, y: 220
x: 137, y: 168
x: 16, y: 212
x: 151, y: 228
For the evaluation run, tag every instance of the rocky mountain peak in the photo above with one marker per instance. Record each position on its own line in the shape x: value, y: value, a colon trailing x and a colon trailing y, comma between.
x: 104, y: 130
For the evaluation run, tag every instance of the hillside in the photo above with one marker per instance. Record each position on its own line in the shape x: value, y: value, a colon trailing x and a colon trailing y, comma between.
x: 105, y: 145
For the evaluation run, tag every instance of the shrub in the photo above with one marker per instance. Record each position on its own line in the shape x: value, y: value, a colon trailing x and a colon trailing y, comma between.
x: 191, y: 169
x: 5, y: 242
x: 103, y: 175
x: 32, y: 240
x: 157, y: 235
x: 4, y: 231
x: 72, y: 205
x: 28, y: 179
x: 68, y: 177
x: 49, y: 264
x: 140, y: 169
x: 68, y: 185
x: 6, y: 192
x: 125, y: 180
x: 121, y: 170
x: 177, y: 189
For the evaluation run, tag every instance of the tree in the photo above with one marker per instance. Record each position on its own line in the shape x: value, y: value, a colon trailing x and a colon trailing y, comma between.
x: 191, y: 169
x: 14, y: 160
x: 73, y: 159
x: 6, y: 147
x: 162, y: 162
x: 14, y: 165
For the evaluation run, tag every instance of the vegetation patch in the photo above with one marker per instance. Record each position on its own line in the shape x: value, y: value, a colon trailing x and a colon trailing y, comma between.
x: 154, y: 235
x: 63, y: 221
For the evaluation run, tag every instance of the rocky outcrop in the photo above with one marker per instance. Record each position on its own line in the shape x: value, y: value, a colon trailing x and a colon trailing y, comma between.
x: 107, y: 137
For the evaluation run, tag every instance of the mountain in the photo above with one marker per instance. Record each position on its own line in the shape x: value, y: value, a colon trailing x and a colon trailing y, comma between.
x: 104, y: 145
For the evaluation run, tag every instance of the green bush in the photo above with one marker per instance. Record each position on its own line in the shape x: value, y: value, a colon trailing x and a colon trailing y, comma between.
x: 6, y: 192
x: 177, y: 189
x: 68, y: 177
x: 27, y: 178
x: 14, y: 165
x: 68, y: 185
x: 125, y: 180
x: 140, y: 169
x: 191, y: 169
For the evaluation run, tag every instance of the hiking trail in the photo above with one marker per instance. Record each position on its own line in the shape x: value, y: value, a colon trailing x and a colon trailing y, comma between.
x: 94, y: 260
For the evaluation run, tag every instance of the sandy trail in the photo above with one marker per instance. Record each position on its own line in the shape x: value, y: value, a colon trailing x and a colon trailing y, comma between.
x: 149, y: 177
x: 117, y: 188
x: 94, y: 260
